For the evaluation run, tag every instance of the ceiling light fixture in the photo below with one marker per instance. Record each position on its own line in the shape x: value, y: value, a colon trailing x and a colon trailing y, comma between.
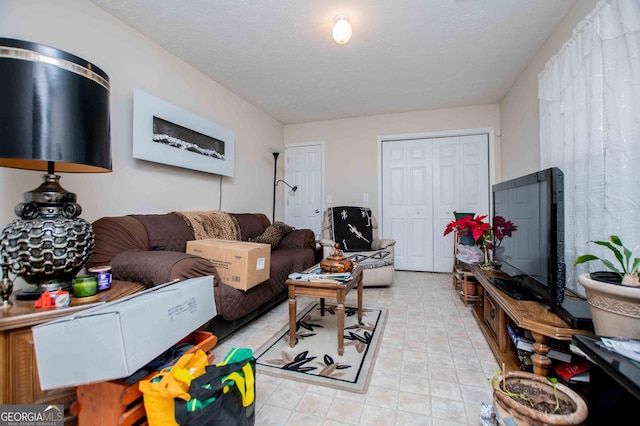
x: 342, y: 29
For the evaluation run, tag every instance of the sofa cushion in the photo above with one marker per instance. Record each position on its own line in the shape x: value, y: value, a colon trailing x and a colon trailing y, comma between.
x: 166, y: 231
x: 273, y: 234
x: 299, y: 239
x: 301, y: 259
x: 115, y: 235
x: 151, y: 268
x: 251, y: 224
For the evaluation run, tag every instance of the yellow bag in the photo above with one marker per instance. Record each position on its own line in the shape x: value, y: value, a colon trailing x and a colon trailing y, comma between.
x: 223, y: 395
x: 172, y: 382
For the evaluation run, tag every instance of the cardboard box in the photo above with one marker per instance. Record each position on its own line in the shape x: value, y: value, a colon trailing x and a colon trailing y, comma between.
x: 115, y: 339
x: 239, y: 264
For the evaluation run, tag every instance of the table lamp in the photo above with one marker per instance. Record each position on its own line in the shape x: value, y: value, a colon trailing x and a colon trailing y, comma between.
x: 54, y: 117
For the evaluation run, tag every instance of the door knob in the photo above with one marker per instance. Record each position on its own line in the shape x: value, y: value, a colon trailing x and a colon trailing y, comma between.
x: 317, y: 211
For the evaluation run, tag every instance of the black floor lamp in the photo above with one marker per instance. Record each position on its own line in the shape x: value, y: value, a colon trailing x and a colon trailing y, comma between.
x: 275, y: 150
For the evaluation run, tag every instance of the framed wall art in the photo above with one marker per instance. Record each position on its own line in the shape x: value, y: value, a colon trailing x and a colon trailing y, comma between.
x: 164, y: 133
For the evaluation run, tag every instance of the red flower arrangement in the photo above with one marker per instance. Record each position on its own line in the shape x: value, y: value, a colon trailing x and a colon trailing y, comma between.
x: 479, y: 230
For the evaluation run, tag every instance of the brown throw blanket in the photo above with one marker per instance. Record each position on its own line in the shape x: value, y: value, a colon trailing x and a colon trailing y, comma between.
x: 211, y: 224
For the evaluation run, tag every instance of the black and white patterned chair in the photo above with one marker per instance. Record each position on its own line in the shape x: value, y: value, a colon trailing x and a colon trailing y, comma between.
x: 356, y: 230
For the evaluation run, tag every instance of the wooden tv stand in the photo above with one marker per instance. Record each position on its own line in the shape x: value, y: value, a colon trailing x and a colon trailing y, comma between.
x: 498, y: 309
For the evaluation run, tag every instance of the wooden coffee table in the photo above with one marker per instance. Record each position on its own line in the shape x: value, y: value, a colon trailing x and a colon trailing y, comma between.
x: 324, y: 290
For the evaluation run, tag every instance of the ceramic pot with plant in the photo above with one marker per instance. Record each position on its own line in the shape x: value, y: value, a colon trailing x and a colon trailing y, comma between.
x: 627, y: 274
x: 614, y: 300
x: 530, y: 399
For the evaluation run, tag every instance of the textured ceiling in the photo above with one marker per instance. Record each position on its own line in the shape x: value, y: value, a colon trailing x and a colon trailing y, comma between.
x: 404, y: 55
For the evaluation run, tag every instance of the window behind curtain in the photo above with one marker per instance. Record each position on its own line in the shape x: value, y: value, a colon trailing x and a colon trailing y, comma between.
x: 589, y: 97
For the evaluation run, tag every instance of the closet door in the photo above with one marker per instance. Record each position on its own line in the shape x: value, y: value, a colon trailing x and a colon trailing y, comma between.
x: 460, y: 183
x: 423, y: 182
x: 407, y: 206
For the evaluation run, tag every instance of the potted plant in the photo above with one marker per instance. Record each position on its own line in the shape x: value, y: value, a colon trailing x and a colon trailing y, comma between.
x: 531, y: 399
x: 474, y: 233
x: 629, y: 266
x: 615, y: 306
x: 474, y: 227
x: 474, y: 236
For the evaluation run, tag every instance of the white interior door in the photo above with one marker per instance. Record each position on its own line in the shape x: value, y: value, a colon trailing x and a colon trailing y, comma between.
x: 304, y: 169
x: 461, y: 183
x: 407, y: 203
x: 423, y: 182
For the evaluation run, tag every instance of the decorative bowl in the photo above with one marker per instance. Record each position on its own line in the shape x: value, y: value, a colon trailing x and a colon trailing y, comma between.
x: 336, y: 262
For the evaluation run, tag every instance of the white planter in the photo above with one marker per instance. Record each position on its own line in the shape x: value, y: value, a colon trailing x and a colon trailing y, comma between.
x: 615, y: 308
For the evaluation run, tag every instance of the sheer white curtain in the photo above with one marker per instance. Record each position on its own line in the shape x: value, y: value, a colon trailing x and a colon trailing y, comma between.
x: 589, y: 97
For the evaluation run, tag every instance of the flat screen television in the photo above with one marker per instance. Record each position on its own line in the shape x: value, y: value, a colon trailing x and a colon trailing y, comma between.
x: 533, y: 256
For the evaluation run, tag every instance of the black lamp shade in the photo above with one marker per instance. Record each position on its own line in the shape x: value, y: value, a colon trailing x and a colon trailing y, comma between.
x: 54, y: 107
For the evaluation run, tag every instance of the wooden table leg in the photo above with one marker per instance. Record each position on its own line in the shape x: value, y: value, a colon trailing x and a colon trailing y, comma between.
x: 541, y: 361
x: 360, y: 300
x: 292, y: 316
x: 340, y: 314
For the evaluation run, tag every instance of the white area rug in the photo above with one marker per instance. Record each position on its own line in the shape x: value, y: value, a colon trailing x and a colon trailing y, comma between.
x: 315, y: 357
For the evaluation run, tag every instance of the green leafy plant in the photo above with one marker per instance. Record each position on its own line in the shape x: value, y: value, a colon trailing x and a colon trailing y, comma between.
x: 555, y: 392
x: 629, y: 265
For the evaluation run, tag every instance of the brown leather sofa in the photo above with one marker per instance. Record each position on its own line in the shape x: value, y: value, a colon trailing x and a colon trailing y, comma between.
x: 151, y: 250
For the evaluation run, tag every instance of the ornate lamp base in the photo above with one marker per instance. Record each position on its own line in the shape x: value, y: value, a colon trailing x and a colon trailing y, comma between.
x: 47, y: 252
x: 49, y: 245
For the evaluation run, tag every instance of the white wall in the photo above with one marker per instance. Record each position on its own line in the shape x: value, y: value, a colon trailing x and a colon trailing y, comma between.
x: 351, y: 145
x: 519, y: 108
x: 133, y: 61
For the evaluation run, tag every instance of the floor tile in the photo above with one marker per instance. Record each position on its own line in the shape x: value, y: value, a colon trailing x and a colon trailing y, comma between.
x: 314, y: 404
x: 431, y: 370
